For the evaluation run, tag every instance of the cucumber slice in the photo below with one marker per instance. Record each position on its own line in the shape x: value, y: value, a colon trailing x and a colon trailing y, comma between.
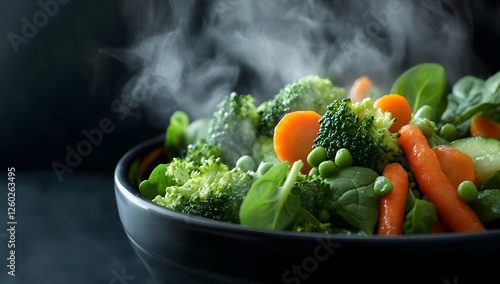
x: 485, y: 153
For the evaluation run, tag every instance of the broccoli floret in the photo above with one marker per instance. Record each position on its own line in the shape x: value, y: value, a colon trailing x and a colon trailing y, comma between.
x: 363, y: 130
x: 233, y: 127
x: 316, y: 195
x: 211, y: 190
x: 308, y: 93
x: 201, y: 150
x: 263, y: 150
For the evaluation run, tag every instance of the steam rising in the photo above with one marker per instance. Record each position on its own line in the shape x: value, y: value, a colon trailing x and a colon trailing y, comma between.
x: 189, y: 54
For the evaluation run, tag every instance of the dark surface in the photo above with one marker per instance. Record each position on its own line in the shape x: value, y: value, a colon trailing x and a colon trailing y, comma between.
x: 68, y: 232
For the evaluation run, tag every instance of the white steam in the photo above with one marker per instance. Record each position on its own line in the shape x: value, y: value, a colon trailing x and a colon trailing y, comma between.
x: 189, y: 54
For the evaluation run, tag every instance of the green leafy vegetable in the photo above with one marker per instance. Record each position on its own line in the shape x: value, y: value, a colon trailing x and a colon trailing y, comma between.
x: 472, y: 96
x: 487, y: 205
x: 175, y: 139
x: 492, y: 182
x: 421, y: 218
x: 354, y: 199
x: 423, y: 84
x: 156, y: 183
x: 269, y: 204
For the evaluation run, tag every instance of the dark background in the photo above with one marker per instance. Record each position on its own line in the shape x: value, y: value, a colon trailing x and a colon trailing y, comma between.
x: 63, y: 82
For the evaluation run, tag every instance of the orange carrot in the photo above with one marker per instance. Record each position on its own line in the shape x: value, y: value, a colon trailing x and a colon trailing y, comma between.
x: 392, y: 206
x: 360, y: 88
x: 398, y: 106
x: 482, y: 126
x: 433, y: 182
x: 294, y: 136
x: 456, y: 165
x: 440, y: 227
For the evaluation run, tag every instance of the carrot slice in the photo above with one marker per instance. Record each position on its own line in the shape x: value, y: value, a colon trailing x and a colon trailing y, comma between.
x: 482, y: 126
x: 392, y: 206
x: 456, y: 165
x: 433, y: 182
x: 398, y: 106
x: 294, y: 136
x: 360, y: 88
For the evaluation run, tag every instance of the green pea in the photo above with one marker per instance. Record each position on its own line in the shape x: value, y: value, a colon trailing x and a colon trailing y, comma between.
x: 343, y: 158
x: 314, y: 171
x: 382, y: 186
x: 323, y: 215
x: 327, y: 168
x: 427, y: 126
x: 426, y: 111
x: 246, y: 163
x: 264, y: 167
x: 448, y: 131
x: 316, y: 156
x: 467, y: 190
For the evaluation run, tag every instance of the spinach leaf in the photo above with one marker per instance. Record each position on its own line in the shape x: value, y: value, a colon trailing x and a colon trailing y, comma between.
x: 156, y: 183
x: 421, y: 218
x: 354, y: 199
x: 492, y: 182
x: 270, y: 205
x: 175, y: 136
x: 487, y: 205
x: 423, y: 84
x: 472, y: 96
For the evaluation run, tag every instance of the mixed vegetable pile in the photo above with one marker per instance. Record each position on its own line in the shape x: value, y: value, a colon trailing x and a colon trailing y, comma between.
x: 423, y: 157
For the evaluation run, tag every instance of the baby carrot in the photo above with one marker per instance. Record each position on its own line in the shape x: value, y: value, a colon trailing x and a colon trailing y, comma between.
x: 360, y: 88
x: 456, y: 165
x: 294, y: 137
x: 392, y: 206
x: 398, y: 106
x: 482, y: 126
x: 433, y: 183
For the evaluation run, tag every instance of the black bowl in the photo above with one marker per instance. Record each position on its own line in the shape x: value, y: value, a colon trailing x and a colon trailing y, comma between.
x: 177, y: 248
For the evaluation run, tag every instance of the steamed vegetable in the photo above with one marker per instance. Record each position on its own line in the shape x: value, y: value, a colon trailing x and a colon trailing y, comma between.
x: 483, y: 126
x: 308, y: 93
x: 294, y: 136
x: 315, y: 159
x: 211, y: 190
x: 392, y: 206
x: 485, y: 154
x: 423, y: 84
x: 472, y: 96
x: 360, y: 89
x: 269, y: 203
x: 433, y: 183
x: 363, y: 130
x: 233, y: 127
x: 398, y: 106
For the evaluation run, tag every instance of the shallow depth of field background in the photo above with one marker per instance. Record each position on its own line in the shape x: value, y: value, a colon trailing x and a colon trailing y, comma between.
x: 94, y: 78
